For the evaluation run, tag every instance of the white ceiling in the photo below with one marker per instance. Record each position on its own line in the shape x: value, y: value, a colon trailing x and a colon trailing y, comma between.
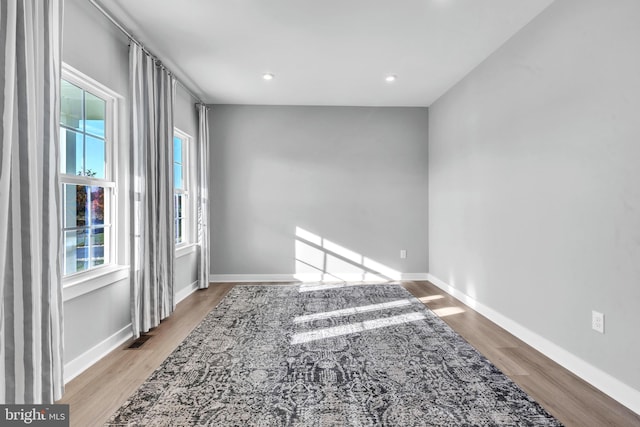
x: 323, y: 52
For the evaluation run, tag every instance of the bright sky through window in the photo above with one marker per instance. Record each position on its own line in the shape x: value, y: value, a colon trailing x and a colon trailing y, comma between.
x: 83, y: 171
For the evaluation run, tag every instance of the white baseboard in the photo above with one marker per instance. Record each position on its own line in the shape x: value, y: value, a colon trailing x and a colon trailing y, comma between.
x: 232, y: 278
x: 78, y: 365
x: 414, y: 276
x: 609, y: 385
x: 186, y: 291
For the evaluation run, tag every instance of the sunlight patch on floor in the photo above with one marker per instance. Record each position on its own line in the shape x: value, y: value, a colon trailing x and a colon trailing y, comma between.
x: 352, y: 310
x: 430, y: 298
x: 448, y: 311
x: 353, y: 328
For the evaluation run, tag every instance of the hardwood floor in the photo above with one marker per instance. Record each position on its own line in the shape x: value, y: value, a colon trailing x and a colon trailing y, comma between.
x: 571, y: 400
x: 98, y: 392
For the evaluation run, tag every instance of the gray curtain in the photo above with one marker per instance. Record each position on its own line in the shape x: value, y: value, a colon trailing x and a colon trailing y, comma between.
x: 31, y: 293
x: 202, y: 200
x: 153, y: 248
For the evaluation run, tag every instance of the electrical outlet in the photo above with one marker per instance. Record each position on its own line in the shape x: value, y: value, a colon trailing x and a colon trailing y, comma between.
x: 597, y: 321
x: 403, y: 253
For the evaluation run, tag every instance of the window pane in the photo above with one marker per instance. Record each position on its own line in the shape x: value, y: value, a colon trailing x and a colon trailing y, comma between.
x: 76, y: 251
x: 71, y: 105
x: 70, y: 243
x: 83, y: 149
x: 175, y: 205
x: 71, y: 152
x: 180, y: 205
x: 95, y: 159
x: 69, y: 209
x: 179, y: 231
x: 97, y: 247
x: 177, y: 162
x: 178, y: 212
x: 75, y: 205
x: 177, y: 150
x: 94, y: 114
x: 177, y: 176
x: 97, y: 205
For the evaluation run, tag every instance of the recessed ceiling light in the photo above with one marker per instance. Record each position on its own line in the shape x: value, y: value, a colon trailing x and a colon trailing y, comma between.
x: 267, y: 76
x: 390, y: 78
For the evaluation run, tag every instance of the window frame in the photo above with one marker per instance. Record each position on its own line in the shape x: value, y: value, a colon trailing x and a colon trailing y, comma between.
x: 187, y: 210
x: 109, y: 182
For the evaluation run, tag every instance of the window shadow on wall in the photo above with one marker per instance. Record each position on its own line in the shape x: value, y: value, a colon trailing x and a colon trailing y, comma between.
x: 321, y: 260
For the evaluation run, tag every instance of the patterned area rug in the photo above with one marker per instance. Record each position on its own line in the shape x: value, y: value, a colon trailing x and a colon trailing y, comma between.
x: 326, y: 355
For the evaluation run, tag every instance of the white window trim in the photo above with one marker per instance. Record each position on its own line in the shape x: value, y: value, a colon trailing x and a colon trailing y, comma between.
x: 185, y: 249
x: 182, y: 248
x: 80, y: 283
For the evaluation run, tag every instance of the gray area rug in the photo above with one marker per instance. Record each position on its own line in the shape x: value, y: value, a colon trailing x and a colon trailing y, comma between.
x: 327, y: 355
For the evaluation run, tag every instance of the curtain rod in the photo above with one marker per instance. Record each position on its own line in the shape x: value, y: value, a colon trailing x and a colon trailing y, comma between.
x: 134, y: 40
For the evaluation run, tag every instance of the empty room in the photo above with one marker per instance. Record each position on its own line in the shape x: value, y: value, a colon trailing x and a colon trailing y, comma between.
x: 335, y: 213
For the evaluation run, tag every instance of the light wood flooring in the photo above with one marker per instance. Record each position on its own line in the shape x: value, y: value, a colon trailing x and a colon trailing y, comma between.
x: 99, y: 391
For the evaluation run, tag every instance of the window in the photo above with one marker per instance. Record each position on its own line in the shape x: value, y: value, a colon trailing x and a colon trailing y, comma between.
x: 88, y: 187
x: 180, y: 183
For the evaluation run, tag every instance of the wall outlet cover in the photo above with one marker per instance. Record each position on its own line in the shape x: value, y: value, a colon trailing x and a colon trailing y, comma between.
x: 597, y: 321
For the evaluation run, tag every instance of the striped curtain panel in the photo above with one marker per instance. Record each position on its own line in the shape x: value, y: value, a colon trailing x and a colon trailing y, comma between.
x: 202, y: 200
x: 153, y: 248
x: 31, y: 292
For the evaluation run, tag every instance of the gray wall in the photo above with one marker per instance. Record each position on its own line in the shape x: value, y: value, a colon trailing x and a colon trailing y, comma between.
x: 355, y: 176
x: 94, y: 317
x: 534, y: 184
x: 93, y: 46
x: 184, y: 114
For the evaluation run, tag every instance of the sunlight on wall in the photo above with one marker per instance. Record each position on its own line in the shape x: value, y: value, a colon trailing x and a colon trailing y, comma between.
x: 321, y: 260
x: 381, y: 268
x: 467, y: 291
x: 342, y: 251
x: 355, y: 328
x: 470, y: 288
x: 308, y: 236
